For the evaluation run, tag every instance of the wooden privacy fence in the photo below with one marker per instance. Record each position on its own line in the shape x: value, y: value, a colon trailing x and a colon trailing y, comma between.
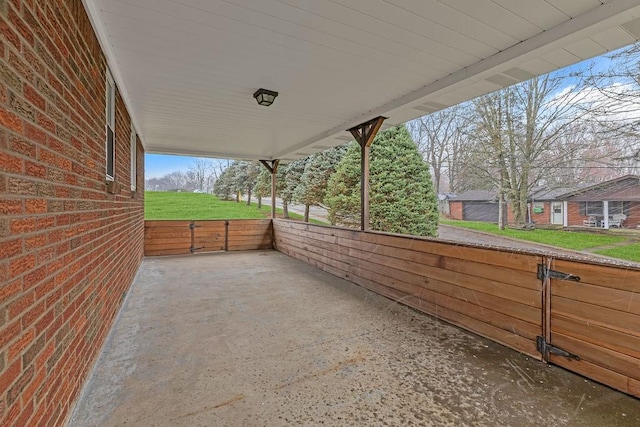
x: 579, y: 315
x: 187, y: 237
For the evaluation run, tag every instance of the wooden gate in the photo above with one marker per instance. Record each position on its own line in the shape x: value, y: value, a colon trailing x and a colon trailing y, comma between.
x: 593, y: 321
x: 188, y: 237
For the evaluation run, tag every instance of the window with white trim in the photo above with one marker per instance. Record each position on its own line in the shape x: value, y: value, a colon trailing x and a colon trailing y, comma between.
x: 133, y: 168
x: 110, y: 140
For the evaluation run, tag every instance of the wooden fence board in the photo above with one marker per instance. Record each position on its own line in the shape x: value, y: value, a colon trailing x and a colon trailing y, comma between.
x: 176, y: 237
x: 587, y: 331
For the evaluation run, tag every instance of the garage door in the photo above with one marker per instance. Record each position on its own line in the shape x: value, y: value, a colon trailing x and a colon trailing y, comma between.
x: 480, y: 211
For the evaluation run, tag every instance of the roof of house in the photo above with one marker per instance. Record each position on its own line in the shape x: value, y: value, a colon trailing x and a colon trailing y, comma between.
x: 623, y: 189
x: 476, y: 196
x: 546, y: 194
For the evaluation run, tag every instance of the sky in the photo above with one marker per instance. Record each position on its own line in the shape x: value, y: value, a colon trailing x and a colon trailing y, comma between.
x: 158, y: 165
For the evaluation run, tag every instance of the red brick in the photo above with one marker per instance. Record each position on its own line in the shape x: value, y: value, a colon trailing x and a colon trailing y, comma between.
x: 10, y: 120
x: 20, y: 305
x: 44, y: 322
x: 33, y: 97
x: 33, y: 242
x: 34, y: 169
x: 25, y: 414
x: 7, y: 334
x: 33, y: 314
x: 11, y: 35
x: 23, y: 225
x: 9, y: 290
x: 22, y: 146
x: 35, y: 206
x: 34, y: 134
x: 36, y: 383
x: 10, y: 207
x: 20, y: 25
x: 46, y: 122
x: 16, y: 348
x: 10, y: 248
x: 22, y: 264
x: 9, y: 163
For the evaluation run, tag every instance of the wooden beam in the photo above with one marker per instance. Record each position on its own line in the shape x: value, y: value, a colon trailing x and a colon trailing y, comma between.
x: 272, y: 167
x: 364, y: 134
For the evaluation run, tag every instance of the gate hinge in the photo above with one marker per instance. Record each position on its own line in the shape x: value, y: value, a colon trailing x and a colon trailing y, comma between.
x: 193, y: 226
x: 544, y: 272
x: 546, y: 349
x: 192, y: 249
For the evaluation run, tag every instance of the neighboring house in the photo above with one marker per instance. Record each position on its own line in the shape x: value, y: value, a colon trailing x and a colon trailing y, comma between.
x: 546, y: 207
x: 599, y: 204
x: 474, y: 205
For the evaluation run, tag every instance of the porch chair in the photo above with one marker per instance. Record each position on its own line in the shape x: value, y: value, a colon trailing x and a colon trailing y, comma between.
x: 590, y: 222
x: 618, y: 220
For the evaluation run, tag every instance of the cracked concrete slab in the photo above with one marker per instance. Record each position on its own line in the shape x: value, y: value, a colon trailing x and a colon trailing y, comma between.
x: 260, y: 339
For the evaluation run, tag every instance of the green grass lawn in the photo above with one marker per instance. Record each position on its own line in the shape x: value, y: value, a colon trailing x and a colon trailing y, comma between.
x: 628, y: 252
x: 575, y: 240
x: 198, y: 206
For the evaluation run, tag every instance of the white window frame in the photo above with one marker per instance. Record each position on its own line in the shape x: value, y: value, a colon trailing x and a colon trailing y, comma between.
x: 134, y: 155
x: 110, y: 125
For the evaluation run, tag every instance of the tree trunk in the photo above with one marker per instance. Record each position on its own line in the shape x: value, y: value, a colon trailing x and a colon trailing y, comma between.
x: 306, y: 213
x: 259, y: 202
x: 285, y: 209
x: 249, y: 196
x: 237, y: 197
x: 501, y: 209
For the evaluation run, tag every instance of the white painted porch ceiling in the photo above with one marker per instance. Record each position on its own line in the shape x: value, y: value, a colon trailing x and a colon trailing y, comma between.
x: 188, y: 68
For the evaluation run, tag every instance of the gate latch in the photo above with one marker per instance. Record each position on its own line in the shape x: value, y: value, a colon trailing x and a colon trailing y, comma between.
x: 546, y: 349
x: 544, y: 272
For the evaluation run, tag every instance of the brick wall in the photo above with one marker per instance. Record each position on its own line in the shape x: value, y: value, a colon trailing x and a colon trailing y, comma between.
x: 455, y: 210
x: 543, y: 217
x: 68, y: 249
x: 632, y: 221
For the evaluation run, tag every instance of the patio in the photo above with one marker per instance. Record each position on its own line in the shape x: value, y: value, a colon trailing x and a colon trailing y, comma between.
x: 259, y: 338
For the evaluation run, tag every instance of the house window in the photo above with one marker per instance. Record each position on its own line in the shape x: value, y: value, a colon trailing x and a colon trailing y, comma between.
x: 616, y: 208
x: 591, y: 208
x: 133, y: 169
x: 110, y: 143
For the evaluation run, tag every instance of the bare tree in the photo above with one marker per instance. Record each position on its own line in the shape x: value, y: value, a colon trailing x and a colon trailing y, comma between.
x: 439, y: 137
x: 516, y: 130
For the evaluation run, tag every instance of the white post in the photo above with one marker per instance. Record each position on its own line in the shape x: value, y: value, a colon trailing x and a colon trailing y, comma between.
x: 605, y: 214
x: 565, y: 214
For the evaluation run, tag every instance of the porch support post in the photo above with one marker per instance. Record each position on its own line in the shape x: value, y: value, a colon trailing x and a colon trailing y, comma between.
x: 272, y: 167
x: 364, y: 134
x: 565, y: 214
x: 605, y: 214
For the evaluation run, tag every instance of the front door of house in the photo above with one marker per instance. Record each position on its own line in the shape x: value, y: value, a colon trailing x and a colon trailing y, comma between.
x: 556, y: 213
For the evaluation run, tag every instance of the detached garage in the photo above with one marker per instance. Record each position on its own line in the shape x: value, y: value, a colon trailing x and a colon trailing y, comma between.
x: 475, y: 205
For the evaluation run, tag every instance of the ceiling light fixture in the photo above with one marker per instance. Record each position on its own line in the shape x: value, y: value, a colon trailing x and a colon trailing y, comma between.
x: 265, y: 97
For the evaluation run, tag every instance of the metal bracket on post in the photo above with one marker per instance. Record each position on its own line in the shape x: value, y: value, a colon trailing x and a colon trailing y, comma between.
x: 546, y: 349
x: 546, y: 272
x: 192, y: 227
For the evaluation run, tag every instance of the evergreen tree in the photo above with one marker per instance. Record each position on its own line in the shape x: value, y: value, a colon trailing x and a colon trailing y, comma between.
x: 263, y: 185
x: 402, y: 197
x: 225, y: 184
x: 291, y: 179
x: 312, y: 189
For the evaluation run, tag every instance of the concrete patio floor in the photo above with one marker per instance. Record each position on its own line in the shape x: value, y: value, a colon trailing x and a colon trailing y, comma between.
x: 258, y: 338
